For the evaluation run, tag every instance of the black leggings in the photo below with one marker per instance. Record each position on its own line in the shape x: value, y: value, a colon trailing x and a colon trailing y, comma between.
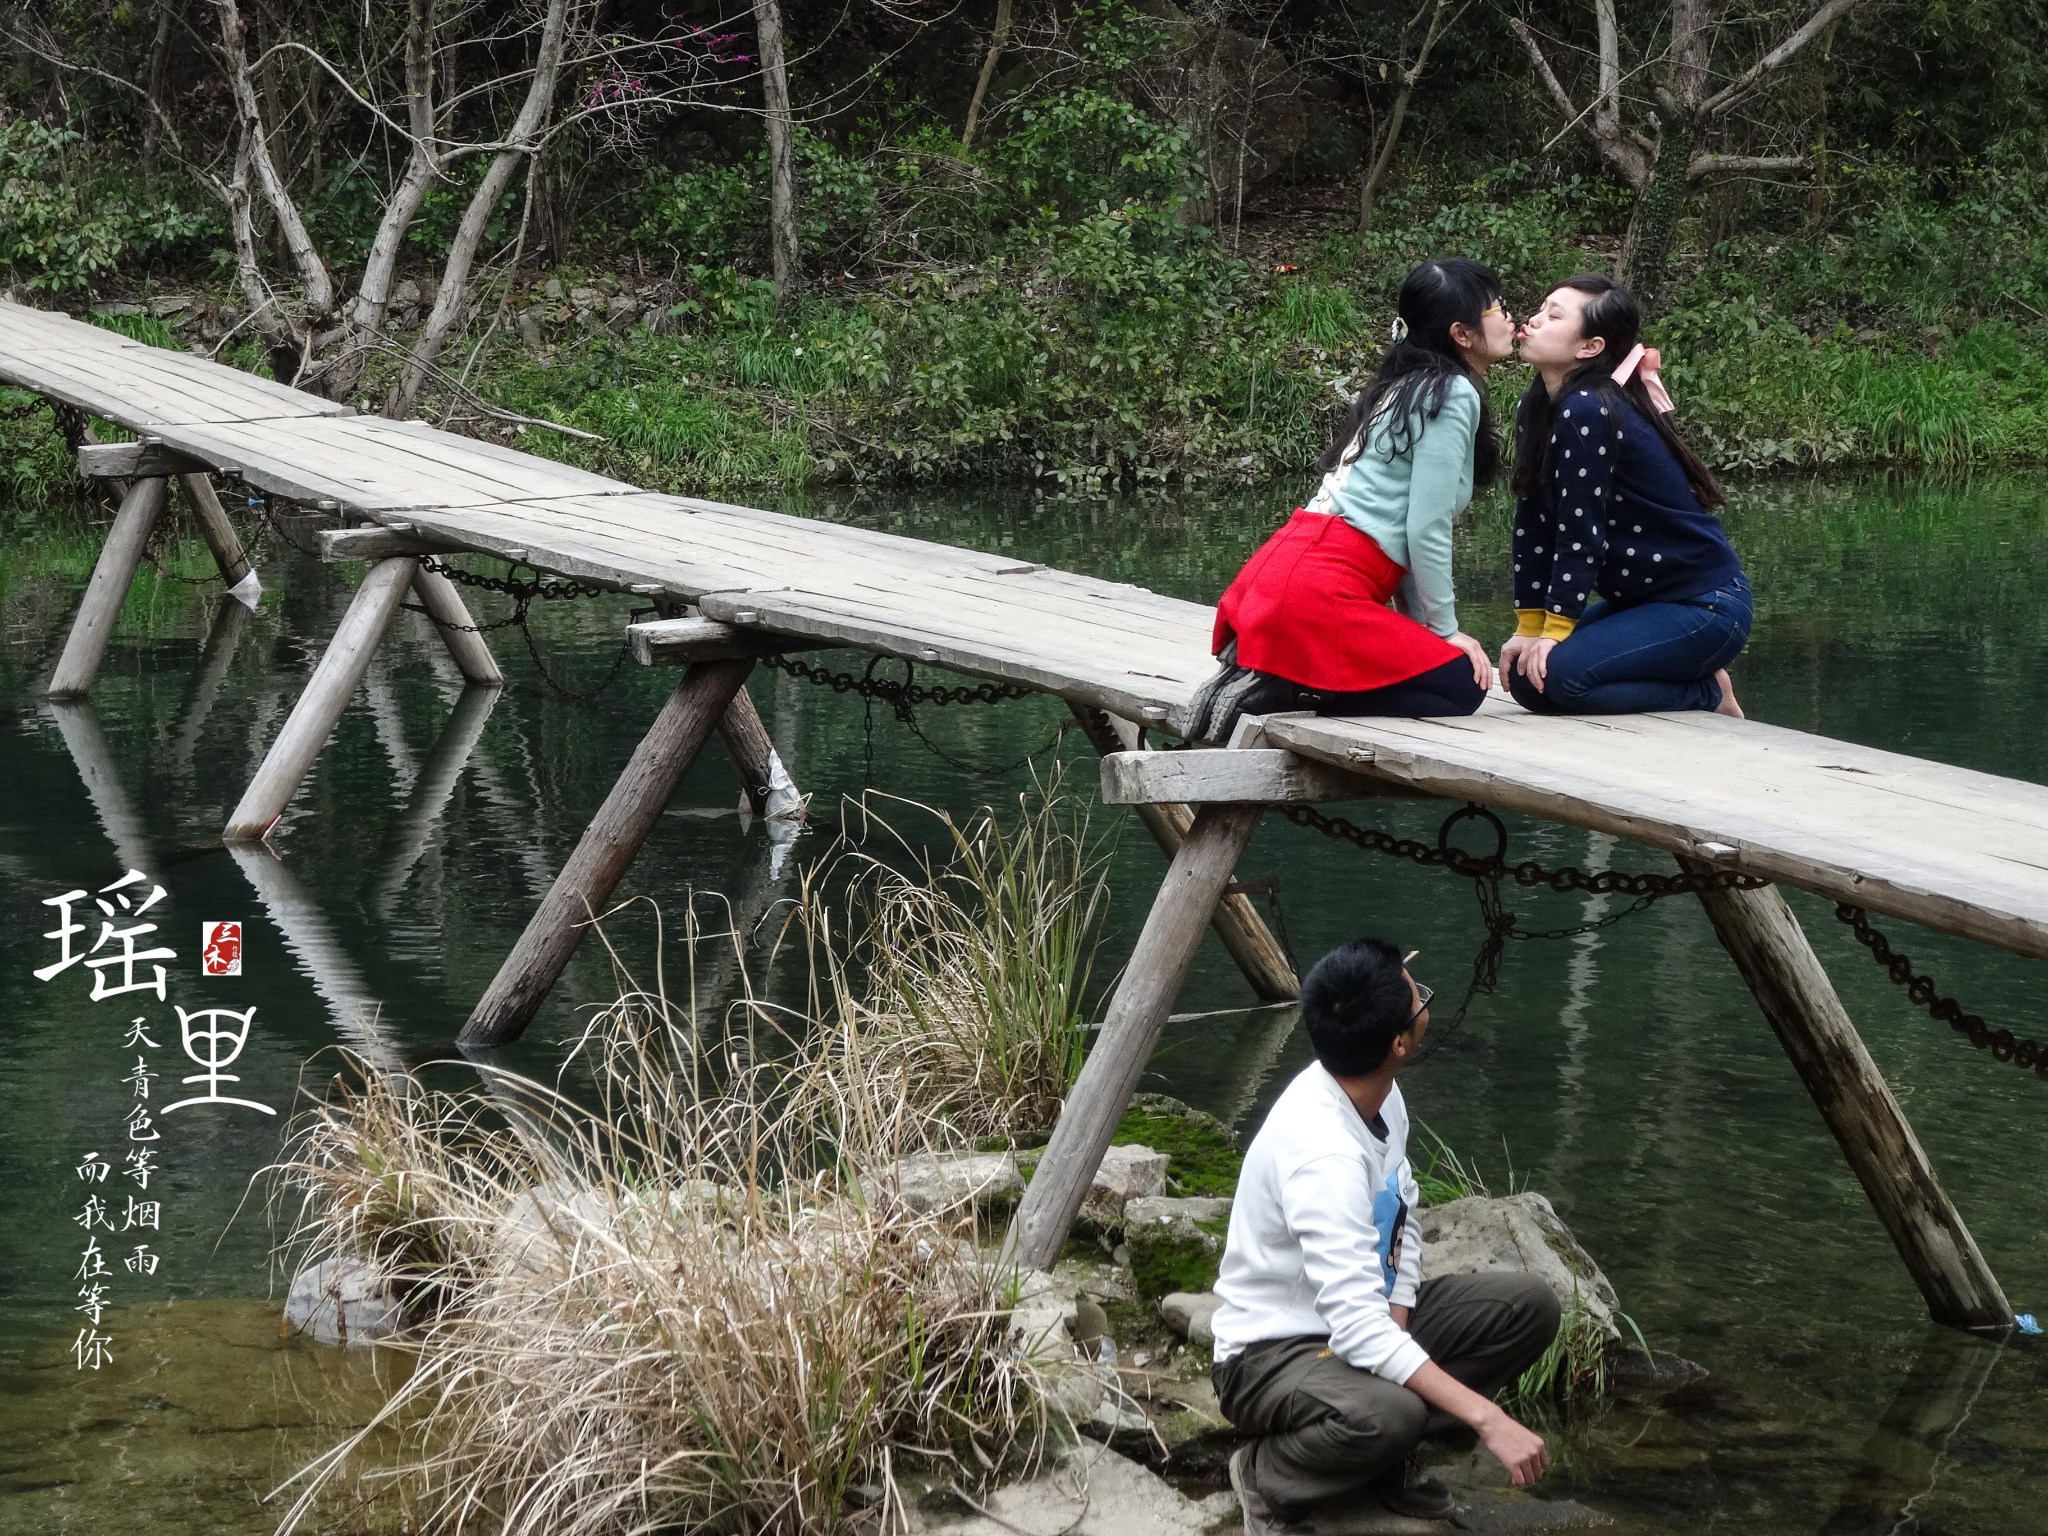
x: 1446, y: 690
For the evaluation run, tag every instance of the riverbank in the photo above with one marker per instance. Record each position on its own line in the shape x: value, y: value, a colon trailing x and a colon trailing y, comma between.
x: 1108, y: 355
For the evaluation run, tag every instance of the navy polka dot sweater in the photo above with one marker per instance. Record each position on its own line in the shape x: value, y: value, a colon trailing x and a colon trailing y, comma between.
x: 1619, y: 520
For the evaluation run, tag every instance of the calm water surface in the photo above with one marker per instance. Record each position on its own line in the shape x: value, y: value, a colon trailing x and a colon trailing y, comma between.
x: 1624, y: 1073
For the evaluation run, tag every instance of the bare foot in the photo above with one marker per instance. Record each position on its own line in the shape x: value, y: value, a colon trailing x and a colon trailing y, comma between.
x: 1727, y: 706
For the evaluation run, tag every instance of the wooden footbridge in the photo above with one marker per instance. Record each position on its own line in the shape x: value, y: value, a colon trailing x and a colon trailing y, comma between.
x: 1962, y: 852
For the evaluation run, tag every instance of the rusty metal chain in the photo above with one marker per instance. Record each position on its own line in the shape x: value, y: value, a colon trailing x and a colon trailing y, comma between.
x: 904, y: 697
x: 524, y: 594
x: 1445, y: 854
x: 2003, y: 1044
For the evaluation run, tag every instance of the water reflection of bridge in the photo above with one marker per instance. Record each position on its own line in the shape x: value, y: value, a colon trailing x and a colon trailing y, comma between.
x: 1962, y: 852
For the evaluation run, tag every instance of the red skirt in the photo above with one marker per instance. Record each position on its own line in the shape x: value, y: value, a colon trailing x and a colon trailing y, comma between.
x: 1311, y: 606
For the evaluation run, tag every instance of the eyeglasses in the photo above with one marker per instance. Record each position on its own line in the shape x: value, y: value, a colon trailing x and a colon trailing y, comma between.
x: 1497, y: 307
x: 1422, y: 996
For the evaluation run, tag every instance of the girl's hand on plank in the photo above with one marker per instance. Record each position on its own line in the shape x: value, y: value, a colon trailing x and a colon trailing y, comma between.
x: 1529, y: 654
x: 1482, y: 665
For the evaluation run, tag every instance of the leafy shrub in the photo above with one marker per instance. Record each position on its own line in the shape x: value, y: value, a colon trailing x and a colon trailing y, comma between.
x: 62, y: 227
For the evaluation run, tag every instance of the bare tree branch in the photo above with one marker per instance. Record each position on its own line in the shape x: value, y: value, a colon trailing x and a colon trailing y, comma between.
x: 1778, y: 57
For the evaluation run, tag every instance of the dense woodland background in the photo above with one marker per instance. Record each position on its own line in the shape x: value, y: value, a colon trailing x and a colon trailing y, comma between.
x: 1114, y: 242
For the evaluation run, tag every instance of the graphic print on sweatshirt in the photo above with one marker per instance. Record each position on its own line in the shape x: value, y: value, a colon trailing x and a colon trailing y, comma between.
x: 1390, y: 1220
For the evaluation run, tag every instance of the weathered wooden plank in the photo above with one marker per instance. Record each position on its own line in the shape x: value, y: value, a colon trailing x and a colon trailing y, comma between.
x: 1693, y: 803
x: 1130, y: 1030
x: 1791, y: 986
x: 112, y: 574
x: 375, y: 543
x: 1259, y: 775
x: 605, y: 852
x: 683, y: 642
x: 312, y: 720
x: 124, y: 461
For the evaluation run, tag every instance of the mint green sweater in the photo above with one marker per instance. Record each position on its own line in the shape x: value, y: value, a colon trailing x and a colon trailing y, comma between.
x: 1406, y: 505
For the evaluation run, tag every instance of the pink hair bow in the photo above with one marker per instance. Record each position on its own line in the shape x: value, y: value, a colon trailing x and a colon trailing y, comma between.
x: 1647, y: 359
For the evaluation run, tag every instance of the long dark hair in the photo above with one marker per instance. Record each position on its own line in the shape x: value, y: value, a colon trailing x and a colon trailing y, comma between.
x: 1415, y: 375
x: 1612, y: 314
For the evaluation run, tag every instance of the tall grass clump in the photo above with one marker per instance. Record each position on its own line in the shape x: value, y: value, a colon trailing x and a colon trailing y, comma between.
x: 675, y: 1291
x: 975, y: 962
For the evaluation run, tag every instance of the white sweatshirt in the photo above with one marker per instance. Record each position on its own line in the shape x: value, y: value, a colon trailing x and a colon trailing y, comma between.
x: 1320, y: 1237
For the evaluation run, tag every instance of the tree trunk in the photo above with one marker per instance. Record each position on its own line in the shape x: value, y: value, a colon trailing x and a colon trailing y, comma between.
x: 996, y: 43
x: 1646, y: 250
x: 373, y: 295
x: 158, y: 87
x: 476, y: 218
x: 782, y: 238
x: 314, y: 281
x: 1384, y: 161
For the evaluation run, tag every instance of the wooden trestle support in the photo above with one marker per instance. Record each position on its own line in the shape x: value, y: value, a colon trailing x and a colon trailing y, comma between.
x: 1756, y: 927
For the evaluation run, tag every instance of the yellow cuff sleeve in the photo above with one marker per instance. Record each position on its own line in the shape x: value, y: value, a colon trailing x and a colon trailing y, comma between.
x: 1528, y: 621
x: 1556, y: 626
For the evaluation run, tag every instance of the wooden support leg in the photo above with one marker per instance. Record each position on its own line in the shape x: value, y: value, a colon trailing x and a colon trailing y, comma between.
x: 220, y: 537
x: 451, y: 618
x: 1158, y: 966
x: 108, y: 589
x: 312, y: 719
x: 608, y: 847
x: 770, y: 790
x: 1771, y: 950
x: 1237, y: 922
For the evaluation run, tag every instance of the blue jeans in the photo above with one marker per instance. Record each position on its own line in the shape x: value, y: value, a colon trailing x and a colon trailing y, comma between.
x: 1652, y: 656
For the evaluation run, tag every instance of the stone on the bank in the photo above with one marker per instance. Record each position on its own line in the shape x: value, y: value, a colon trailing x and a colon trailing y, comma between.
x: 1175, y: 1244
x: 344, y: 1301
x: 1128, y: 1173
x: 1092, y: 1491
x: 950, y: 1182
x: 1517, y: 1234
x: 1191, y: 1314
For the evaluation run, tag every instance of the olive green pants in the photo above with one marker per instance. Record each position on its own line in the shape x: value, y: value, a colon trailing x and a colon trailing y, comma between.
x: 1323, y: 1429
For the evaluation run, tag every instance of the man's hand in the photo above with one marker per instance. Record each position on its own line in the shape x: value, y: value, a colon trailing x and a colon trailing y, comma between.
x: 1519, y: 1449
x: 1528, y: 653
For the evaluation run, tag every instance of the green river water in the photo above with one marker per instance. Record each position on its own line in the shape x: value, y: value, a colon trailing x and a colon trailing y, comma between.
x: 1624, y: 1073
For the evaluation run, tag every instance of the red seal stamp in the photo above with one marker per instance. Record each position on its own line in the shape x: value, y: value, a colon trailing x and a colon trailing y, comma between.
x: 220, y: 949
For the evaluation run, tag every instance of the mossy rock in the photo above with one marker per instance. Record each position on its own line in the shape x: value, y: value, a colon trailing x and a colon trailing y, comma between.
x: 1204, y: 1157
x: 1175, y: 1244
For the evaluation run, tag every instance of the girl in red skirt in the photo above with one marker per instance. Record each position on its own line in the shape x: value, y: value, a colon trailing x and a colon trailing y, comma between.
x: 1306, y: 624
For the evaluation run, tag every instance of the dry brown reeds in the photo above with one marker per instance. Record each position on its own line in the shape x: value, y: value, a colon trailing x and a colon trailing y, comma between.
x: 974, y: 964
x: 659, y: 1300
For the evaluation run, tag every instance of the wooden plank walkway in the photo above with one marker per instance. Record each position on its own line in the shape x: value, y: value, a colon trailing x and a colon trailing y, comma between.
x: 1959, y: 851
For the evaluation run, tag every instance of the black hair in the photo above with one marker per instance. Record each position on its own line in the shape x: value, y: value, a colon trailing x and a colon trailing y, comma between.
x: 1415, y: 375
x: 1353, y: 1004
x: 1612, y: 314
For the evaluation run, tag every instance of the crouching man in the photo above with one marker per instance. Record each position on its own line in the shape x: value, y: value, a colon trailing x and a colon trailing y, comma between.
x: 1330, y: 1353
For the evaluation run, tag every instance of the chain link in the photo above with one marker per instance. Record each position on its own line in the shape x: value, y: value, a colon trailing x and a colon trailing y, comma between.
x: 524, y: 594
x: 904, y: 697
x: 2003, y: 1044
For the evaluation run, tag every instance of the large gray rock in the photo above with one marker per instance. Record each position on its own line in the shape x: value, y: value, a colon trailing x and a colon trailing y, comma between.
x: 1519, y: 1234
x: 344, y: 1301
x: 1191, y: 1315
x: 949, y: 1182
x: 1130, y: 1172
x: 1092, y: 1491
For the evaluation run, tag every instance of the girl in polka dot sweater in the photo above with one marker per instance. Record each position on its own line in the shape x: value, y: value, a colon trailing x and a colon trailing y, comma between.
x: 1628, y: 595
